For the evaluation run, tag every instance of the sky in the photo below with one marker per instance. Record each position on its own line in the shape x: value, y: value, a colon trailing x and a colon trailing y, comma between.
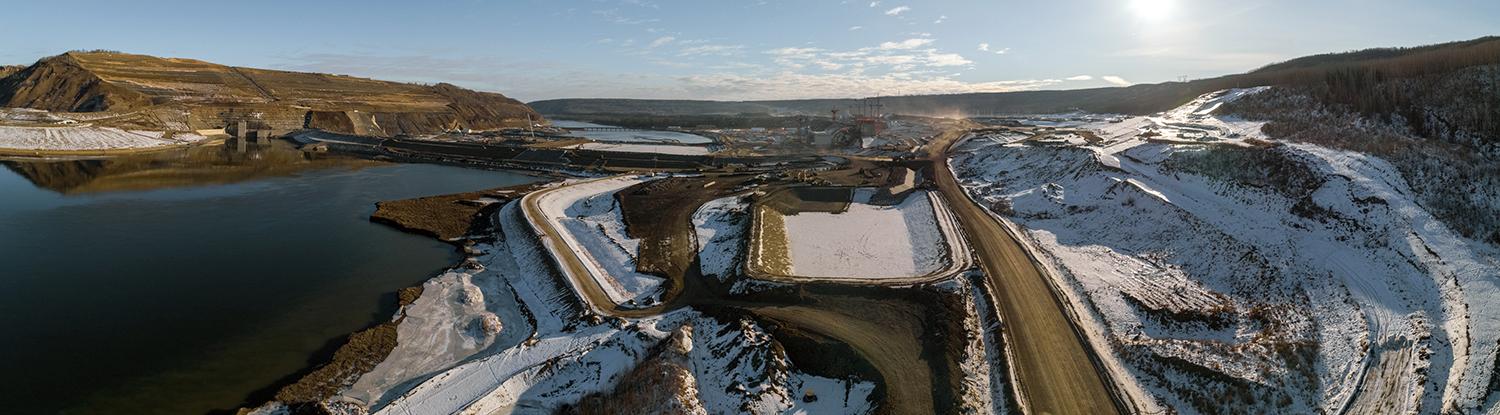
x: 744, y: 49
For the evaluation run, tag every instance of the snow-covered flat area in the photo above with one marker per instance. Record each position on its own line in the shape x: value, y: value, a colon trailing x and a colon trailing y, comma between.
x: 588, y: 219
x: 680, y: 150
x: 87, y: 138
x: 1291, y: 279
x: 911, y: 239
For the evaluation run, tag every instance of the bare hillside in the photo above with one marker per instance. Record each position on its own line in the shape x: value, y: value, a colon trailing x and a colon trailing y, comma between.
x: 173, y: 93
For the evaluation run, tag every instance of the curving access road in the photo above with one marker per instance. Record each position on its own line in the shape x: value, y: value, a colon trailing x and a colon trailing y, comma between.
x: 1056, y: 370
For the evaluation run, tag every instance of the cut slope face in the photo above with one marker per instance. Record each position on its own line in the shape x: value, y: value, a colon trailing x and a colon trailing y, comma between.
x: 217, y: 95
x: 61, y: 83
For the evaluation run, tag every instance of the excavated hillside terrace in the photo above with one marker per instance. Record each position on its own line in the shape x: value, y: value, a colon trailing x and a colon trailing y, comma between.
x: 173, y: 94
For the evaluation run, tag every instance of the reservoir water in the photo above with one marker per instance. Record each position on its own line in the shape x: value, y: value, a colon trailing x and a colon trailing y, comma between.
x: 640, y: 136
x: 184, y: 282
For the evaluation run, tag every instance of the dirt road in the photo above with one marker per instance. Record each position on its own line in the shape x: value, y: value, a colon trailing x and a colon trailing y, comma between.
x: 881, y: 335
x: 884, y: 335
x: 1054, y: 366
x: 572, y: 266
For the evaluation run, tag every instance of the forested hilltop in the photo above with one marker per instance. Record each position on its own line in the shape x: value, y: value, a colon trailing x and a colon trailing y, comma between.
x: 1333, y: 68
x: 1433, y: 118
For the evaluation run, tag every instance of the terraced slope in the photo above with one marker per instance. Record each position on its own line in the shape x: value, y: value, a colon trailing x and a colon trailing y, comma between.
x: 210, y: 95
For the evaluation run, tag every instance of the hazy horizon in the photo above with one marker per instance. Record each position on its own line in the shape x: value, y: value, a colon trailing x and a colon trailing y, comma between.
x: 755, y: 50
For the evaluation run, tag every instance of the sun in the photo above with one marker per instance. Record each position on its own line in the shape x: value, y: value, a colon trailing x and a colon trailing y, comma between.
x: 1152, y: 10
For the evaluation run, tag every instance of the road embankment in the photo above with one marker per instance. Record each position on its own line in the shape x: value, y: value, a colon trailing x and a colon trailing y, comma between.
x: 1056, y: 369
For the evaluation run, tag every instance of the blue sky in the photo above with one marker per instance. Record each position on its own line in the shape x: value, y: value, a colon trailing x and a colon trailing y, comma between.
x: 755, y: 49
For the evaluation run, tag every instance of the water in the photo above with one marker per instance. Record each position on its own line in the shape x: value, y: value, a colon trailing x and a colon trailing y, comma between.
x: 658, y: 137
x: 183, y: 282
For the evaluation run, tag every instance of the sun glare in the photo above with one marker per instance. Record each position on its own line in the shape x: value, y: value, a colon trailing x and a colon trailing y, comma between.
x: 1152, y: 10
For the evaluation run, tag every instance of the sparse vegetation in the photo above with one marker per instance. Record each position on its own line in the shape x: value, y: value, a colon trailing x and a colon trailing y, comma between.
x: 1438, y: 129
x: 1271, y: 170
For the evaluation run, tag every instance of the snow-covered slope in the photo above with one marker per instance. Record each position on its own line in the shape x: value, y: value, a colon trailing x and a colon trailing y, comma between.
x: 720, y: 228
x: 588, y: 218
x: 741, y: 369
x: 562, y: 358
x: 1233, y: 277
x: 87, y: 138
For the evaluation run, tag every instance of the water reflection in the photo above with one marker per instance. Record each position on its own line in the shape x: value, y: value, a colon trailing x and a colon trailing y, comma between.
x: 232, y: 162
x: 183, y: 281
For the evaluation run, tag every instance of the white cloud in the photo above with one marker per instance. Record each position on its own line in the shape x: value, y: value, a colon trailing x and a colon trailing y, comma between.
x: 984, y: 47
x: 662, y: 41
x: 729, y: 80
x: 940, y: 19
x: 1002, y: 51
x: 794, y: 58
x: 853, y: 28
x: 912, y: 43
x: 789, y: 85
x: 889, y: 59
x: 1080, y: 78
x: 946, y: 59
x: 897, y: 11
x: 874, y: 4
x: 1115, y: 80
x: 711, y: 50
x: 794, y: 51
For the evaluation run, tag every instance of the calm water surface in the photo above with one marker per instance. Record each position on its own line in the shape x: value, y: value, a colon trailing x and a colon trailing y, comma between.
x: 184, y: 282
x: 659, y: 137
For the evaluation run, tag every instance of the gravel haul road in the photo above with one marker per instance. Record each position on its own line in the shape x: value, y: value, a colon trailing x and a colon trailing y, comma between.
x: 1054, y: 366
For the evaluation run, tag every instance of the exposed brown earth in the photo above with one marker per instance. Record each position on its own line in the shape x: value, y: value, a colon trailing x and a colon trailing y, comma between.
x: 446, y: 217
x: 891, y: 345
x: 1055, y: 368
x: 187, y: 94
x: 660, y: 214
x: 358, y: 355
x: 7, y: 70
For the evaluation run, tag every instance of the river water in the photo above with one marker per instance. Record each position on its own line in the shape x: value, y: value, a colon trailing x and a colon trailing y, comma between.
x: 188, y: 281
x: 639, y: 137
